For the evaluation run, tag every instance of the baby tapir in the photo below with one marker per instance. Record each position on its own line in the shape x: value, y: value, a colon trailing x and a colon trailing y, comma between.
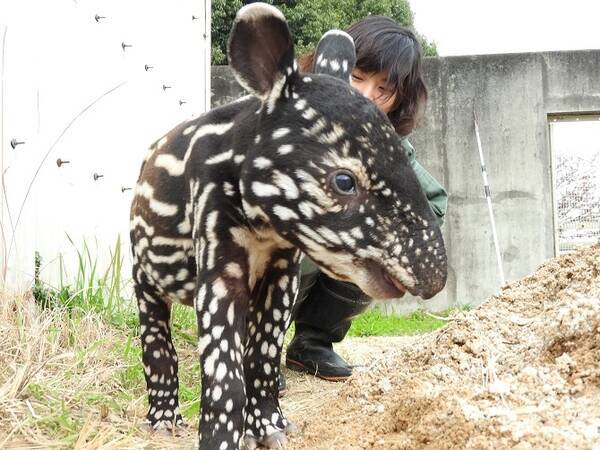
x: 227, y: 204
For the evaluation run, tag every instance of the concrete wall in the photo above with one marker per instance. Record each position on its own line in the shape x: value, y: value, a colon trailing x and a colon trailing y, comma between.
x: 512, y: 95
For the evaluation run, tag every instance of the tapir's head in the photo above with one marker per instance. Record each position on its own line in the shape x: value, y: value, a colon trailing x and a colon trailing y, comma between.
x: 325, y: 168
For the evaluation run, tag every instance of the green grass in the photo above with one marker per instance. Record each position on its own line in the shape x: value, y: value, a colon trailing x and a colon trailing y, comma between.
x: 374, y: 322
x: 89, y: 289
x: 61, y: 424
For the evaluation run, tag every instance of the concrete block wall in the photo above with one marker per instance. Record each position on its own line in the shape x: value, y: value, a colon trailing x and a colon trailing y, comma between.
x: 513, y: 95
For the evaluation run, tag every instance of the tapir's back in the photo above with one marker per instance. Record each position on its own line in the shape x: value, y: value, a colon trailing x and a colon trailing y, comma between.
x: 177, y: 168
x: 184, y: 155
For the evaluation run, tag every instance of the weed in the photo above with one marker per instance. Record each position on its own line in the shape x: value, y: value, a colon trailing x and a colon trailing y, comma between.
x: 376, y: 323
x: 90, y: 290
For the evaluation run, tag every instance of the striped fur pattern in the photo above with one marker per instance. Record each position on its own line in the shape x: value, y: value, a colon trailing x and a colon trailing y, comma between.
x: 227, y: 204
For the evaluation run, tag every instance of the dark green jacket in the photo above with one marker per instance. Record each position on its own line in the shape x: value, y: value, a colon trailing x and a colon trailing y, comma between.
x: 436, y: 194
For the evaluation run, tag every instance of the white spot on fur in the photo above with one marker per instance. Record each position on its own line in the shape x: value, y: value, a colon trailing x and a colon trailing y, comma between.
x: 221, y: 372
x: 166, y: 259
x: 211, y: 237
x: 333, y: 136
x: 313, y: 188
x: 228, y: 189
x: 280, y: 132
x: 176, y: 167
x: 300, y: 104
x: 161, y: 142
x: 219, y: 158
x: 272, y: 351
x: 203, y: 343
x: 286, y: 184
x: 230, y: 314
x: 285, y: 149
x: 217, y: 331
x: 234, y: 270
x: 201, y: 203
x: 217, y: 393
x: 159, y: 208
x: 139, y: 221
x: 308, y: 209
x: 275, y: 93
x: 219, y: 288
x: 189, y: 130
x: 357, y: 233
x: 316, y: 128
x: 264, y: 190
x: 184, y: 243
x: 284, y: 213
x: 209, y: 362
x: 262, y: 163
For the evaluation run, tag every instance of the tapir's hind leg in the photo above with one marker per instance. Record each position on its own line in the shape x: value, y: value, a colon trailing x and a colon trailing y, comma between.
x: 159, y: 358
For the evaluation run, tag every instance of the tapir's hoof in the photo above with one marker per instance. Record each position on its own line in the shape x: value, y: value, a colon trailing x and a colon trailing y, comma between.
x: 277, y: 440
x: 166, y: 427
x: 290, y: 428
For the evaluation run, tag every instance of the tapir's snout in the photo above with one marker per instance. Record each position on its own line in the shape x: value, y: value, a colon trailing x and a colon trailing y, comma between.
x: 429, y: 264
x: 417, y: 264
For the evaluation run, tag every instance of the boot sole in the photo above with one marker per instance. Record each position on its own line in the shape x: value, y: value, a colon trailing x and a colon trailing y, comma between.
x: 297, y: 366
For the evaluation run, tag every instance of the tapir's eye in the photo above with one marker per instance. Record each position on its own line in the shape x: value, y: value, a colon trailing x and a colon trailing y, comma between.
x: 344, y: 183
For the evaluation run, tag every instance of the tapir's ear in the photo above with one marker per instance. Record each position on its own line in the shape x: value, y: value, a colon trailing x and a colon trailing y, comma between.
x: 261, y: 50
x: 335, y: 55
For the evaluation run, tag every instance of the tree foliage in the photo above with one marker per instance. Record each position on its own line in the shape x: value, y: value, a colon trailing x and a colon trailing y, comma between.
x: 309, y: 19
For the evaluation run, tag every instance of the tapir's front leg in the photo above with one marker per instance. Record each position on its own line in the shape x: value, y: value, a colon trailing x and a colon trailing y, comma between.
x: 268, y: 319
x: 221, y: 306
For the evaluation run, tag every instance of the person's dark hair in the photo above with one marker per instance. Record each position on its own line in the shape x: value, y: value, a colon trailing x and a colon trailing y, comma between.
x: 384, y: 46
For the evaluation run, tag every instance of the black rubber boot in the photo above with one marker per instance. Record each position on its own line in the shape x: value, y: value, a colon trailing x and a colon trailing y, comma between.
x: 323, y: 316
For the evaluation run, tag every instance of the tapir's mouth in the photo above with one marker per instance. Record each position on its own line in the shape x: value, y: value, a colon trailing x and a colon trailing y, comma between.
x: 380, y: 283
x: 394, y: 283
x: 385, y: 285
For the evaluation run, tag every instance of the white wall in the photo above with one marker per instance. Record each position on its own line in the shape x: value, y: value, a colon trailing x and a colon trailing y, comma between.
x: 58, y: 60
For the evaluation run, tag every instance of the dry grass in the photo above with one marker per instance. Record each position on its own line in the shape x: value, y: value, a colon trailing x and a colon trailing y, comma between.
x: 72, y: 381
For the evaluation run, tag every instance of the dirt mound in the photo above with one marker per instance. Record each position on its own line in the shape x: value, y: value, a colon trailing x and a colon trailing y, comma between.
x: 521, y: 371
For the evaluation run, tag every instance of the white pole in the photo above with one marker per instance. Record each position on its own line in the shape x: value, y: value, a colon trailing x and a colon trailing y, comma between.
x: 206, y: 36
x: 488, y: 197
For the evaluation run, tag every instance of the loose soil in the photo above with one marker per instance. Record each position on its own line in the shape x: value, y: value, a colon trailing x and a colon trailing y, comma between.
x: 521, y: 371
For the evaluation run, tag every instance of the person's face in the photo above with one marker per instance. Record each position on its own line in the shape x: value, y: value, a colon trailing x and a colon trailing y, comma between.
x: 375, y: 87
